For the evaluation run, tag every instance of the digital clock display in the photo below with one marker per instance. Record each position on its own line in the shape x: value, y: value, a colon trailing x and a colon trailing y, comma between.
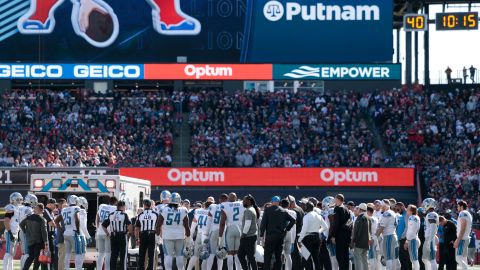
x: 415, y: 22
x: 457, y: 21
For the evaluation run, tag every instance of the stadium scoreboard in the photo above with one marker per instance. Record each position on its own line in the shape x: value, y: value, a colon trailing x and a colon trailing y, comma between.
x: 457, y: 21
x: 415, y: 22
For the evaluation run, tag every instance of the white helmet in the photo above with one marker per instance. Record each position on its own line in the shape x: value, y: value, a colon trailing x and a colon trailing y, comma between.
x: 175, y: 198
x: 188, y: 250
x: 328, y: 202
x: 31, y: 199
x: 82, y: 202
x: 429, y: 203
x: 221, y: 253
x: 204, y: 252
x: 165, y: 196
x: 72, y: 200
x: 16, y: 198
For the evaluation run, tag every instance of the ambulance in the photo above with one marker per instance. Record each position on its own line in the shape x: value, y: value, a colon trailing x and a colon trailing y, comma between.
x: 96, y: 188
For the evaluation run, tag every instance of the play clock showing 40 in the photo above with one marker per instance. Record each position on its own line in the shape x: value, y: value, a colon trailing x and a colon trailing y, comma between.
x: 457, y: 21
x: 415, y: 22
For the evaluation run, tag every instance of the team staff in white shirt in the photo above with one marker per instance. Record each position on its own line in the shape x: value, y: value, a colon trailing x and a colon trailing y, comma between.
x: 464, y: 228
x: 413, y: 242
x: 313, y: 226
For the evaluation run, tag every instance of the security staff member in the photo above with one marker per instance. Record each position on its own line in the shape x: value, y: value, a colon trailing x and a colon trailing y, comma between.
x: 119, y: 225
x: 145, y: 226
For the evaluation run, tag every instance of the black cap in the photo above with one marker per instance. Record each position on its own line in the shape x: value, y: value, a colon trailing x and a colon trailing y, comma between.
x: 52, y: 200
x: 147, y: 203
x: 121, y: 203
x: 350, y: 203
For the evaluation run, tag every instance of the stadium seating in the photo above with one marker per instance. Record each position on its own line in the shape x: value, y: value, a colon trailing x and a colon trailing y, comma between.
x: 42, y: 128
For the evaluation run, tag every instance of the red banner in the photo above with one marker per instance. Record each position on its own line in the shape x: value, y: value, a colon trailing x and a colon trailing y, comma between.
x: 308, y: 177
x: 208, y: 72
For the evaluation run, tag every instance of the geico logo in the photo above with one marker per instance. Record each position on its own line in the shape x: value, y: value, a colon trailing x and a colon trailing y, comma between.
x: 31, y: 71
x: 199, y: 72
x: 106, y: 71
x: 328, y: 175
x: 175, y: 175
x: 274, y: 11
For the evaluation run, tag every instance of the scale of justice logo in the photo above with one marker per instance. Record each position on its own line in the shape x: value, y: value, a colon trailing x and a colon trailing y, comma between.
x: 97, y: 23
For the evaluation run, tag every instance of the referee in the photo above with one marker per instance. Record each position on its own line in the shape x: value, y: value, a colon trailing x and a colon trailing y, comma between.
x: 145, y: 231
x: 119, y: 225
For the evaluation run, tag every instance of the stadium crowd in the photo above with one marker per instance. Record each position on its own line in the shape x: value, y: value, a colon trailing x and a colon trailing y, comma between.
x: 438, y: 132
x: 279, y: 129
x: 81, y: 129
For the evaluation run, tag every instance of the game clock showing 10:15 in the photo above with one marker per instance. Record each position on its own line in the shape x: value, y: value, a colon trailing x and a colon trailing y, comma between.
x: 457, y: 21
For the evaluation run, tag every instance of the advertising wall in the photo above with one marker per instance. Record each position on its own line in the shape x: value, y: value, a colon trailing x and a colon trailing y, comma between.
x: 275, y: 177
x: 215, y: 31
x: 261, y: 72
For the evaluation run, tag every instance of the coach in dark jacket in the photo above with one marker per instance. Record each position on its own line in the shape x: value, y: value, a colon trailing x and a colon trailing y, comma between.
x: 341, y: 232
x: 35, y: 229
x: 362, y: 238
x: 449, y: 237
x: 276, y: 222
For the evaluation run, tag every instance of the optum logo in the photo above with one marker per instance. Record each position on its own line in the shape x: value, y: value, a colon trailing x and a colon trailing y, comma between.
x: 328, y: 175
x: 176, y: 175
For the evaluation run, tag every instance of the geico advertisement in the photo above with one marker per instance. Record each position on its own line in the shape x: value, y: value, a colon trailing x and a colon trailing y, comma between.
x: 308, y: 177
x: 70, y: 71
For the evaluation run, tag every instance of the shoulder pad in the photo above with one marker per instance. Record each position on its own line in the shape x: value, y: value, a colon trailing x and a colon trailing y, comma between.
x: 10, y: 208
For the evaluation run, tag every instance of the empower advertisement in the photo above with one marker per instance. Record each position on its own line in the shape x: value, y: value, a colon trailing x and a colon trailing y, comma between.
x: 338, y: 72
x: 218, y: 31
x: 275, y: 177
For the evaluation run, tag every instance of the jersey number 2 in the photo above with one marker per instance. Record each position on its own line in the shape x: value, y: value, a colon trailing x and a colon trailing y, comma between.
x: 236, y: 212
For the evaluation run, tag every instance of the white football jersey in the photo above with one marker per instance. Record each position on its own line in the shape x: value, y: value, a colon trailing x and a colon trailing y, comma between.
x: 104, y: 210
x: 172, y: 227
x: 431, y: 229
x: 14, y: 223
x: 83, y: 222
x: 201, y: 216
x: 292, y: 233
x: 234, y: 212
x: 388, y: 222
x: 216, y: 214
x: 375, y: 222
x: 465, y: 215
x: 68, y: 214
x: 327, y: 221
x: 413, y: 227
x: 160, y: 207
x: 23, y: 212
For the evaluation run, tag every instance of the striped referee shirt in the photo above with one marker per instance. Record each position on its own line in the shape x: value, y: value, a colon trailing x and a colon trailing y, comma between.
x: 147, y: 221
x: 48, y: 215
x: 117, y: 221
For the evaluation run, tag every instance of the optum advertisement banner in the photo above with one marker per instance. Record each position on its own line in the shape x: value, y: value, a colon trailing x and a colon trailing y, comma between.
x: 274, y: 177
x: 215, y: 31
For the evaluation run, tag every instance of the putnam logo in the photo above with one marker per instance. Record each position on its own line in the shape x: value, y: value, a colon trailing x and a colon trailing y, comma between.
x: 275, y: 11
x: 185, y: 176
x: 328, y: 175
